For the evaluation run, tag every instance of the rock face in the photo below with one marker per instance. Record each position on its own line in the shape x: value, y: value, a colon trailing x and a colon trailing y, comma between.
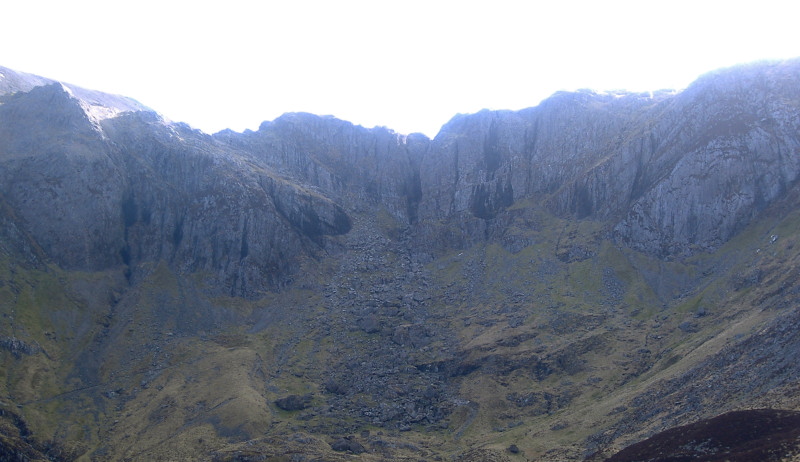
x: 670, y: 173
x: 124, y: 190
x: 261, y: 294
x: 732, y: 154
x: 59, y: 178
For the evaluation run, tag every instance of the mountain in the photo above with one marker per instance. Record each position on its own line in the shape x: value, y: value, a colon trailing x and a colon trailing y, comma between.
x: 553, y: 283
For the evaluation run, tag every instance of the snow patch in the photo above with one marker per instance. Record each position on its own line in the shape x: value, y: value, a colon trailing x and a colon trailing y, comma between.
x: 99, y: 106
x: 67, y: 90
x: 95, y: 111
x: 98, y: 112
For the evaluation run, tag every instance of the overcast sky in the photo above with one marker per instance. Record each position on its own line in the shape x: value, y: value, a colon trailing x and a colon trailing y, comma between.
x: 409, y: 65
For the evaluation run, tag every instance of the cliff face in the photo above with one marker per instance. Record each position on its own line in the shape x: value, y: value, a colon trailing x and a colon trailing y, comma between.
x: 474, y: 289
x: 670, y: 174
x: 733, y: 153
x: 59, y: 178
x: 674, y: 172
x: 650, y: 165
x: 94, y: 194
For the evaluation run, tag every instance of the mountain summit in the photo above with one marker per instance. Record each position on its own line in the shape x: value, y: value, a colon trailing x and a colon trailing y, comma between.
x: 552, y: 283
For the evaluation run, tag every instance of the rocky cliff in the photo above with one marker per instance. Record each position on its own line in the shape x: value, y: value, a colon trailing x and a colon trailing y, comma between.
x: 551, y: 277
x: 670, y: 173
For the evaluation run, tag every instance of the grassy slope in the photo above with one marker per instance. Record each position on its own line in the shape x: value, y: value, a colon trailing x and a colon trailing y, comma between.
x: 164, y: 371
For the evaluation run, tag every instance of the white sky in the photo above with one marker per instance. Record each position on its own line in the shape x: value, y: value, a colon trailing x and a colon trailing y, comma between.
x: 409, y: 65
